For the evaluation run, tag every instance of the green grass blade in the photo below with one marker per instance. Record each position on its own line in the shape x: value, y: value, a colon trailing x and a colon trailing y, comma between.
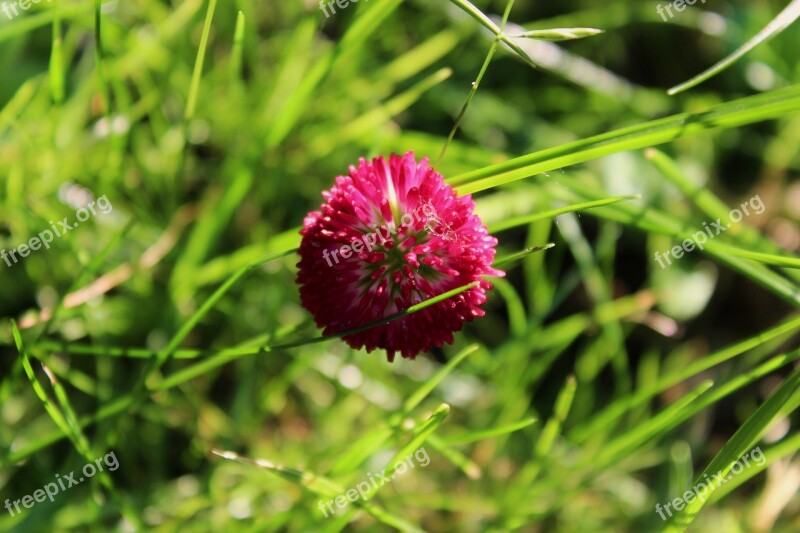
x: 553, y: 426
x: 728, y: 115
x: 421, y: 393
x: 741, y: 442
x: 237, y: 54
x: 57, y: 69
x: 475, y: 84
x: 617, y: 408
x: 197, y: 73
x: 784, y: 19
x: 543, y: 215
x: 420, y: 436
x: 476, y: 436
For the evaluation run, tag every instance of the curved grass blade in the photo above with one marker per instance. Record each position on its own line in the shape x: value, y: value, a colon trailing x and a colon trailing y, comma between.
x: 787, y: 447
x: 784, y: 19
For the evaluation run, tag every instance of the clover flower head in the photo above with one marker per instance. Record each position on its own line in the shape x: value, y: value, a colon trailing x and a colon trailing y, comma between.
x: 390, y: 235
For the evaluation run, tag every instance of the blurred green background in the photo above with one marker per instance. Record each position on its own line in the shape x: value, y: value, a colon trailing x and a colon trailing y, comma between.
x: 202, y: 186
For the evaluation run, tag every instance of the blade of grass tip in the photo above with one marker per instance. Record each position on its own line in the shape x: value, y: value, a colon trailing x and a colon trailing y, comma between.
x: 741, y: 442
x: 194, y: 89
x: 784, y: 19
x: 105, y: 92
x: 527, y: 219
x: 65, y: 372
x: 475, y: 436
x: 57, y: 70
x: 521, y: 254
x: 237, y: 54
x: 416, y: 442
x: 559, y: 34
x: 476, y: 83
x: 14, y: 107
